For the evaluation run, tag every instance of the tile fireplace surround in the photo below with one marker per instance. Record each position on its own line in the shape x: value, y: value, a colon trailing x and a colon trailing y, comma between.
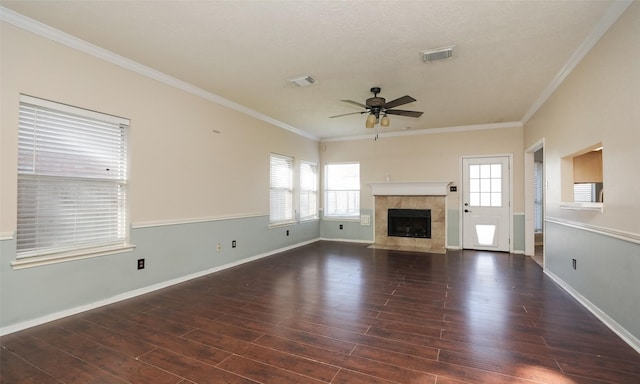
x: 417, y: 195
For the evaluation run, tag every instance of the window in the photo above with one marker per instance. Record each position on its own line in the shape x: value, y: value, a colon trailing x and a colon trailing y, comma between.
x: 281, y: 189
x: 582, y: 179
x: 308, y: 191
x: 342, y: 190
x: 485, y: 185
x: 587, y: 192
x: 537, y: 202
x: 587, y: 176
x: 72, y: 179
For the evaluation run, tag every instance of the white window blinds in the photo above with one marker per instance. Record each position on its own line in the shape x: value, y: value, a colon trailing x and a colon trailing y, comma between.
x: 537, y: 202
x: 584, y: 192
x: 308, y: 191
x: 72, y: 175
x: 342, y: 190
x: 281, y: 189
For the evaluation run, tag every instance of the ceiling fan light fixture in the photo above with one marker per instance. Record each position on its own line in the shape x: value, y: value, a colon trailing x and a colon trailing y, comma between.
x: 371, y: 121
x: 385, y: 121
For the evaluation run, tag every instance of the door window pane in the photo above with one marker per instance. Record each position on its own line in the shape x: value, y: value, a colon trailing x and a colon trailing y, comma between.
x: 485, y: 185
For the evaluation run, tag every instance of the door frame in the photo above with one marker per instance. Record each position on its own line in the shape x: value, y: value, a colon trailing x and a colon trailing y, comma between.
x: 461, y: 202
x: 529, y: 197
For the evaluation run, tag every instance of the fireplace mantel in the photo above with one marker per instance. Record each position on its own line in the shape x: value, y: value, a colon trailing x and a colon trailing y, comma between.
x: 427, y: 188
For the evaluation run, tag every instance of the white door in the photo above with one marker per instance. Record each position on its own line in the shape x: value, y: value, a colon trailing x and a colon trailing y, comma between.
x: 486, y: 206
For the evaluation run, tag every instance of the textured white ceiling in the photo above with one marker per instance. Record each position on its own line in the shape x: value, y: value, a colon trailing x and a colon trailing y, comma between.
x: 506, y: 52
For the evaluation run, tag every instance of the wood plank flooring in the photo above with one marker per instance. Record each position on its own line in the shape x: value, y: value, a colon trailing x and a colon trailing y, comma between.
x: 334, y: 312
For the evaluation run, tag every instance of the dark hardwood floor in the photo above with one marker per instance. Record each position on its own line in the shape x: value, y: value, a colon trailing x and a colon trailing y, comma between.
x: 335, y: 313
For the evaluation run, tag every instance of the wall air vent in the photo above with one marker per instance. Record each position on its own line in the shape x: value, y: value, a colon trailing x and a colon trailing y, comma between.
x: 431, y: 55
x: 302, y: 81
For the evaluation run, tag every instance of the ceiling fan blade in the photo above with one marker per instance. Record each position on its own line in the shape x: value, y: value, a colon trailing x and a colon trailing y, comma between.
x: 403, y: 113
x: 403, y: 100
x: 347, y: 114
x: 354, y: 103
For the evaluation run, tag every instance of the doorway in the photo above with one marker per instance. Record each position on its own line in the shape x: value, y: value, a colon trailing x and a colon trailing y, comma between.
x: 486, y: 195
x: 535, y: 186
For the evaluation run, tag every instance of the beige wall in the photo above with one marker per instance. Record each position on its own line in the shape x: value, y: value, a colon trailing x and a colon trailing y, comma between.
x: 599, y: 102
x: 179, y: 169
x: 427, y: 157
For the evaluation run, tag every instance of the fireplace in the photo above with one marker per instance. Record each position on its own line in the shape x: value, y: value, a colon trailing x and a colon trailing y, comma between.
x: 424, y: 233
x: 409, y: 223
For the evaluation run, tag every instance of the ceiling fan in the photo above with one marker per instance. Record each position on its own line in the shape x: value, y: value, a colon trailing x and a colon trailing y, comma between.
x: 377, y: 105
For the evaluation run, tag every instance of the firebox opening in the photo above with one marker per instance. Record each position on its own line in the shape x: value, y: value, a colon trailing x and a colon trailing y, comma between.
x: 409, y: 223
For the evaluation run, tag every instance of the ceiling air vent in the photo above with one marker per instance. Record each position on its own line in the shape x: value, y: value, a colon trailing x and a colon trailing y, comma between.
x: 302, y: 81
x: 431, y: 55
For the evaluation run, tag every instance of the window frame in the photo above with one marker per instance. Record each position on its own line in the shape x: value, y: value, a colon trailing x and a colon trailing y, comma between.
x: 329, y: 214
x: 313, y: 213
x: 582, y: 167
x: 79, y: 178
x: 286, y: 217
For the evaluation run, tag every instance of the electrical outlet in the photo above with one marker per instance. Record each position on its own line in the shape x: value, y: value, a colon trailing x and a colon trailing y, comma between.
x: 574, y: 263
x: 233, y: 244
x: 140, y: 263
x: 219, y: 247
x: 287, y: 232
x: 341, y: 226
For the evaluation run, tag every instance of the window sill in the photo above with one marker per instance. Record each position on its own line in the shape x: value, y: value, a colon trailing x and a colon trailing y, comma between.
x: 282, y: 224
x: 341, y: 218
x: 54, y: 258
x: 592, y: 207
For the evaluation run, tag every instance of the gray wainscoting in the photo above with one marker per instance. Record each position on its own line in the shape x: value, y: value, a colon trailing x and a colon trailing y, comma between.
x: 606, y: 278
x: 352, y: 230
x: 172, y: 253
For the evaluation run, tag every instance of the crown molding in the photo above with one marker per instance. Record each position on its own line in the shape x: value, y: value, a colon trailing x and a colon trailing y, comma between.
x: 70, y: 41
x: 428, y: 131
x: 613, y: 13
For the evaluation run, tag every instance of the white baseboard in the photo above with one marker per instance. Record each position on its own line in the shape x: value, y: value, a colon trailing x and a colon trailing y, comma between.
x: 137, y: 292
x: 348, y: 240
x: 625, y: 335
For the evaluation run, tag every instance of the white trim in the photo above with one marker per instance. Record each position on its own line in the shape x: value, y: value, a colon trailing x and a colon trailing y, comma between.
x: 354, y: 219
x: 70, y: 41
x: 583, y: 206
x: 597, y: 312
x: 6, y: 236
x: 61, y: 257
x: 428, y: 131
x: 279, y: 224
x: 141, y: 291
x: 428, y: 188
x: 194, y: 220
x: 73, y: 110
x: 615, y: 10
x: 610, y: 232
x: 529, y: 196
x: 347, y: 241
